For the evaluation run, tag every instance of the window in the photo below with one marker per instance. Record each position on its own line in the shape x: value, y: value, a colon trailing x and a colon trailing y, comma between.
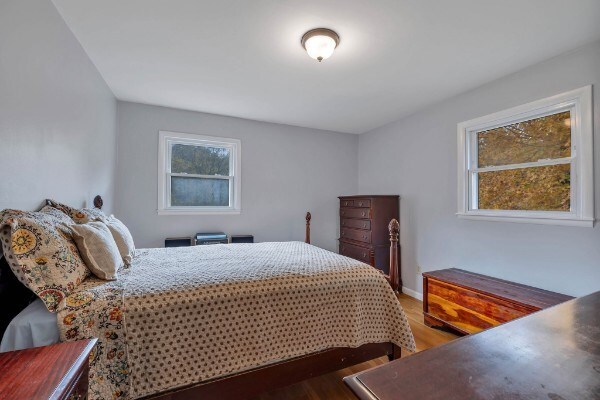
x: 531, y: 163
x: 198, y: 174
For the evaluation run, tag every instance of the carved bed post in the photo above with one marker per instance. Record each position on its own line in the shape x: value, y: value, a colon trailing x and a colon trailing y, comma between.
x: 98, y: 202
x: 394, y: 228
x: 308, y: 217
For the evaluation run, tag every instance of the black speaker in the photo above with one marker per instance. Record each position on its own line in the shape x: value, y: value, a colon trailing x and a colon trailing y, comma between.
x: 178, y: 242
x: 242, y: 239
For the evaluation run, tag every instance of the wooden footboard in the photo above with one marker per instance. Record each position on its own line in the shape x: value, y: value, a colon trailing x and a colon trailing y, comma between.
x: 394, y: 230
x: 249, y: 384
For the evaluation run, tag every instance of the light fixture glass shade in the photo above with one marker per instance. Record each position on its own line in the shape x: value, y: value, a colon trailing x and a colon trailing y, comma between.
x: 320, y: 43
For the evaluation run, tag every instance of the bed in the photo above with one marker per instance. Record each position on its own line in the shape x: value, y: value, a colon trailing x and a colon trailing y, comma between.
x: 231, y: 321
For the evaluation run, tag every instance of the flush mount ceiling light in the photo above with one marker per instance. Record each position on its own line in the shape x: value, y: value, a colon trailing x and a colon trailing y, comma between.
x: 320, y: 43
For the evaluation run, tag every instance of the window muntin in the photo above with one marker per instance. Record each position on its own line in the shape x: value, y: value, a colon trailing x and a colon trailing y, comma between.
x: 531, y: 163
x: 198, y: 174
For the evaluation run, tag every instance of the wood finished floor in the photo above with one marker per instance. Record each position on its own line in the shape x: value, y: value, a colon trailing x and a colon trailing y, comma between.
x: 331, y: 387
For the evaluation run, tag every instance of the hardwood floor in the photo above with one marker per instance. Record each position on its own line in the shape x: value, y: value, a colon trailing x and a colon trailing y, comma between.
x: 331, y: 387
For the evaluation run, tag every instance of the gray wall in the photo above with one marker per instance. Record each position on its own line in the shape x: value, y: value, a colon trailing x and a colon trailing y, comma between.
x: 286, y: 171
x: 57, y: 115
x: 416, y: 157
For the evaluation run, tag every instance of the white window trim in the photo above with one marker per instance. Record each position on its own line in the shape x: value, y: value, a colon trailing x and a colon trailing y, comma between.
x: 164, y: 159
x: 579, y: 102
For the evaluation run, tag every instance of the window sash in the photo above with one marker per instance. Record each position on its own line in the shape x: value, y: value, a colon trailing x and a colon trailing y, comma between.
x: 216, y: 177
x: 231, y: 148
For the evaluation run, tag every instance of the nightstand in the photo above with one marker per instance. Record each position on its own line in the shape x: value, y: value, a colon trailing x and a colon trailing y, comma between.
x: 56, y: 372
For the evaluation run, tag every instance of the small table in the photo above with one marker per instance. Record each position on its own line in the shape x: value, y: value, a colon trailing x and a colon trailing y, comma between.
x: 553, y: 354
x: 56, y: 372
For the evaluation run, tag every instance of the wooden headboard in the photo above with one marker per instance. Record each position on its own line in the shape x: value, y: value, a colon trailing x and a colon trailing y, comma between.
x: 14, y: 296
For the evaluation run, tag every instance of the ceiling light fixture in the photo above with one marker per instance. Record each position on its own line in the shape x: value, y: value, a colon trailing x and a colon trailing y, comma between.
x: 320, y: 43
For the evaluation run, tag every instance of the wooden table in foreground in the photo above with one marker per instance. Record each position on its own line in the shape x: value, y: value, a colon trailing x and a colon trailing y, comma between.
x: 57, y: 372
x: 552, y: 355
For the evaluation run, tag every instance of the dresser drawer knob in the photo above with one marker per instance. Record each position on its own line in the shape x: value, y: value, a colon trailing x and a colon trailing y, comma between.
x: 365, y: 237
x: 364, y: 255
x: 363, y: 213
x: 360, y: 203
x: 365, y: 225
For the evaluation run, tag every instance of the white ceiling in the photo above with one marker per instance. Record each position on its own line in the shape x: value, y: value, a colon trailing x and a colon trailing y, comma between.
x: 243, y: 57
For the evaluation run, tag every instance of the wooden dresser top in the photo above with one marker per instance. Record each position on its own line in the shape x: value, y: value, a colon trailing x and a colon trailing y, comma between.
x: 42, y: 372
x: 552, y: 354
x: 500, y: 288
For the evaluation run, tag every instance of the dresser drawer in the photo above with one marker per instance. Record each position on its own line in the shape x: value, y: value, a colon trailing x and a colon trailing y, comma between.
x: 361, y: 203
x: 355, y: 212
x: 356, y: 234
x: 79, y: 391
x: 356, y: 223
x: 467, y: 310
x: 365, y: 203
x: 347, y: 203
x: 358, y: 253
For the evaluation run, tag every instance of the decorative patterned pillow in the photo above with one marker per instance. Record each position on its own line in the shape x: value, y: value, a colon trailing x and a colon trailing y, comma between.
x: 41, y: 254
x: 80, y: 216
x: 56, y: 213
x: 122, y: 237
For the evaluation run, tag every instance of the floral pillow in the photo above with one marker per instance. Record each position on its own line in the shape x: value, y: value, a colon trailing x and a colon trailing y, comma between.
x: 80, y: 216
x: 39, y: 250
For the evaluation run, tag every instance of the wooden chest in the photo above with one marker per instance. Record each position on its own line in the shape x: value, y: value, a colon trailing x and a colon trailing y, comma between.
x: 467, y: 302
x: 364, y: 233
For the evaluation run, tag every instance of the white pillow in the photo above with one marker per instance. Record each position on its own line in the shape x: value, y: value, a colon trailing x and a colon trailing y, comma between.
x: 123, y: 238
x: 98, y: 249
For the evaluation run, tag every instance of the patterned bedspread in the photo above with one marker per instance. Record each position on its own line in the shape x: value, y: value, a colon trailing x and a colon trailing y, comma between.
x: 178, y: 316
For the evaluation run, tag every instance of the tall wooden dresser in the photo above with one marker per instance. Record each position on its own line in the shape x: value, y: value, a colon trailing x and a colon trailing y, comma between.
x: 364, y: 233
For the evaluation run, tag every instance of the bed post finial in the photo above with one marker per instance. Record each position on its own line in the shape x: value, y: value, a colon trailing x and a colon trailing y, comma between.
x: 308, y: 217
x: 394, y: 228
x: 98, y: 202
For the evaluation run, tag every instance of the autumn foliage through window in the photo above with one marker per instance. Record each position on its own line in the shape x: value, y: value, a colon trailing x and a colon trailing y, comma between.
x: 512, y: 170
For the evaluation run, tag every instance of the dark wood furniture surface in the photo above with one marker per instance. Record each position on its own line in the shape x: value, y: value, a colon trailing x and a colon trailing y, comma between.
x: 59, y: 371
x: 467, y: 302
x: 364, y: 233
x: 553, y: 354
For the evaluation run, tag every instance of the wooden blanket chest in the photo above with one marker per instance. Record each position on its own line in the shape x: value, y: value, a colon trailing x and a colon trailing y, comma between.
x: 467, y: 302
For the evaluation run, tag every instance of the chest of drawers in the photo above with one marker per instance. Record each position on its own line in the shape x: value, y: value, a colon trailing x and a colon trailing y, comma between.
x: 364, y: 233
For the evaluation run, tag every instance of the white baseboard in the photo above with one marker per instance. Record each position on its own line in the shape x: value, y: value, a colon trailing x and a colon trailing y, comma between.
x: 412, y: 293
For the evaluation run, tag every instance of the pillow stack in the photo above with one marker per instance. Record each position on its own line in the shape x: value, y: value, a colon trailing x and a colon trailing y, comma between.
x: 53, y: 250
x: 120, y: 234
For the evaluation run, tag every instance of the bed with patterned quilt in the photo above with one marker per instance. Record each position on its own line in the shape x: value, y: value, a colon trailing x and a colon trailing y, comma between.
x: 179, y: 316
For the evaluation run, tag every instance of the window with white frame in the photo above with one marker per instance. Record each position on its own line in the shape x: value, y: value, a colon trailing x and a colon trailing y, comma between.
x: 531, y: 163
x: 198, y: 174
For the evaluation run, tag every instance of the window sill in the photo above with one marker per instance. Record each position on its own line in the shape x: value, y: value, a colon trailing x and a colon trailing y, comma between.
x: 582, y: 222
x: 200, y: 212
